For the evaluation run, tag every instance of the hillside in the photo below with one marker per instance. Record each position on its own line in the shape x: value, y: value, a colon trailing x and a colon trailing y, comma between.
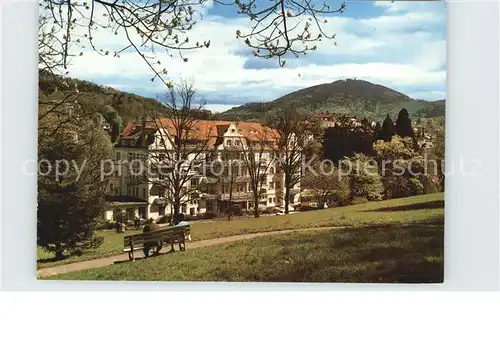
x: 356, y: 97
x: 94, y: 97
x: 351, y: 96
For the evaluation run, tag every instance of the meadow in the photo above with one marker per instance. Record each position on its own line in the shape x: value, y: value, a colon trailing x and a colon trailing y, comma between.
x: 397, y: 240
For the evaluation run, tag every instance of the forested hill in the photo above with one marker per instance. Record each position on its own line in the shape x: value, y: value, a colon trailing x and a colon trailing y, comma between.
x: 354, y: 97
x: 351, y: 96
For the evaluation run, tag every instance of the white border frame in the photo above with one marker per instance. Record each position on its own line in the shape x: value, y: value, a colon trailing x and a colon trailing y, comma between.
x: 472, y: 133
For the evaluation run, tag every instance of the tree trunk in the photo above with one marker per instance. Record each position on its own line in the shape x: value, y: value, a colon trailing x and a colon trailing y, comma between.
x: 230, y: 210
x: 59, y: 251
x: 287, y: 196
x: 177, y: 208
x: 256, y: 213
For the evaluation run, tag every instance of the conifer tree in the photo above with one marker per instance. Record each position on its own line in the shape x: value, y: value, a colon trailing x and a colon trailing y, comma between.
x: 387, y: 129
x: 403, y: 125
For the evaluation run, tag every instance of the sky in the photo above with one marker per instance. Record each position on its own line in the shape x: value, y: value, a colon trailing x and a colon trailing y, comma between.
x: 401, y: 45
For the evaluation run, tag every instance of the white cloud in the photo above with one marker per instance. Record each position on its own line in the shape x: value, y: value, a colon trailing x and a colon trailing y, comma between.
x: 383, y: 51
x: 399, y: 6
x: 218, y: 107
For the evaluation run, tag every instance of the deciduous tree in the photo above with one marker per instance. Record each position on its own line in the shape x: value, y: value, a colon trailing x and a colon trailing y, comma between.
x: 258, y: 157
x: 180, y: 145
x: 402, y: 168
x: 364, y: 177
x: 151, y: 27
x: 327, y: 185
x: 292, y: 132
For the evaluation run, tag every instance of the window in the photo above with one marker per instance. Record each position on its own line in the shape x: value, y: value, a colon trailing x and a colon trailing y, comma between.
x: 237, y: 142
x: 143, y: 193
x: 271, y: 185
x: 229, y: 142
x: 194, y: 182
x: 118, y: 156
x: 271, y: 170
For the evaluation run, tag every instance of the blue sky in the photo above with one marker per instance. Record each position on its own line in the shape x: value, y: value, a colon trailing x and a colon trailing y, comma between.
x: 401, y: 45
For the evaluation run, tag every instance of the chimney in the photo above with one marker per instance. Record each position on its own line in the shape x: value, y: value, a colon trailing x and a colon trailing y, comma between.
x: 143, y: 134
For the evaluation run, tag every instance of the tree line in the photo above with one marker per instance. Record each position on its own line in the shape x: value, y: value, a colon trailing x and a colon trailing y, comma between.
x: 378, y: 162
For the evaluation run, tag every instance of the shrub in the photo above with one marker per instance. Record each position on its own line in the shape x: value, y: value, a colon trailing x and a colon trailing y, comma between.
x: 210, y: 215
x: 246, y: 213
x: 104, y: 225
x: 237, y: 211
x: 307, y: 208
x: 266, y: 211
x: 163, y: 219
x: 358, y: 200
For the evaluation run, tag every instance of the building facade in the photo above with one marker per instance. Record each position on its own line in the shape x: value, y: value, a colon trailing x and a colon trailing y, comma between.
x: 219, y: 165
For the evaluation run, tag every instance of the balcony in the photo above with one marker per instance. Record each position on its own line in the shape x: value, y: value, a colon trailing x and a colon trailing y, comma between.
x: 209, y: 196
x: 236, y: 197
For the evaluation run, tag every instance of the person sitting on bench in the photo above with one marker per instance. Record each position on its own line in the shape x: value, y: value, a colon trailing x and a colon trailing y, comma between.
x: 149, y: 227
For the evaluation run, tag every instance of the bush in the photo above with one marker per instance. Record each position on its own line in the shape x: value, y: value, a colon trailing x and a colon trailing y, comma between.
x: 164, y: 219
x: 246, y: 213
x: 267, y: 211
x: 306, y: 208
x: 210, y: 215
x: 358, y: 200
x: 237, y: 211
x: 104, y: 225
x: 190, y: 218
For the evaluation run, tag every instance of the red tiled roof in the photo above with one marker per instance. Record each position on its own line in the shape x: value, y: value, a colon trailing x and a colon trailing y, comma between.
x: 203, y: 129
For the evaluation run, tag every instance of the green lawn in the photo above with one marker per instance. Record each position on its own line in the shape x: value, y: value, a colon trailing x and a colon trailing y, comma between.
x: 418, y: 209
x: 385, y: 254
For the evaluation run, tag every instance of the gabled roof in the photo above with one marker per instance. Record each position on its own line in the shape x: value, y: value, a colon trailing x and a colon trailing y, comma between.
x: 202, y: 130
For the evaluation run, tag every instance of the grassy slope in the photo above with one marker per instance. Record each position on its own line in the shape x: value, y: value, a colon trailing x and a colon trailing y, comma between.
x: 390, y: 254
x: 417, y: 209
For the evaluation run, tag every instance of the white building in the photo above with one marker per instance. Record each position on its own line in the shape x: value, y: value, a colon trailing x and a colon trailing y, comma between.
x: 212, y: 141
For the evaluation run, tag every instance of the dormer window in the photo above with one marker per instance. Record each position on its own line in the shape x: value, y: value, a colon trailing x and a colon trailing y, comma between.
x: 229, y: 143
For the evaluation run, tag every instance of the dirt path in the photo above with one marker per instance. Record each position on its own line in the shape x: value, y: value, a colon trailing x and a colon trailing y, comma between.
x: 107, y: 261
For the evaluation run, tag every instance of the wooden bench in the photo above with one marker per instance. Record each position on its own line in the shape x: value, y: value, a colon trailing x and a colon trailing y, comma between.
x: 154, y: 240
